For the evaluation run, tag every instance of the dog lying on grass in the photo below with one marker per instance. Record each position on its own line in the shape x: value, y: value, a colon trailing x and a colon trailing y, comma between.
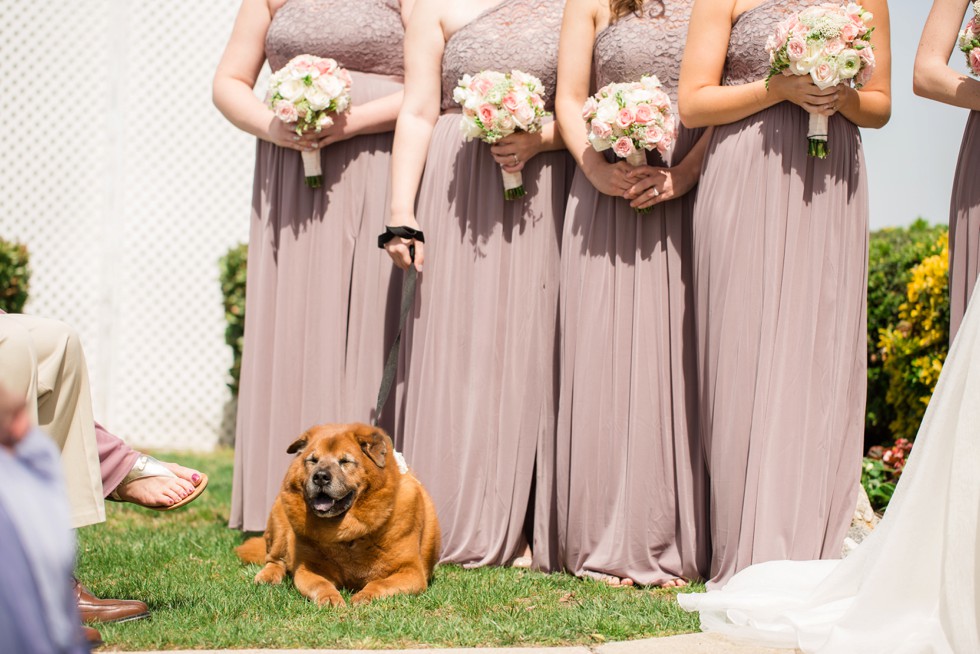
x: 347, y: 517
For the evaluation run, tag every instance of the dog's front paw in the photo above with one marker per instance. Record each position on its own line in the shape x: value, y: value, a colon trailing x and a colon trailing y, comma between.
x: 325, y: 596
x: 271, y: 574
x: 363, y: 597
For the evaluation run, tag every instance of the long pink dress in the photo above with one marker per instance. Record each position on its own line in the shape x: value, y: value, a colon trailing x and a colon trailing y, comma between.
x: 322, y: 299
x: 780, y: 261
x: 964, y: 225
x: 630, y: 479
x: 480, y: 397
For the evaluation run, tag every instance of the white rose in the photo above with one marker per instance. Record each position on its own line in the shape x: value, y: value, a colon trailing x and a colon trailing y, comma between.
x: 318, y: 99
x: 599, y: 144
x: 471, y: 130
x: 607, y: 112
x: 330, y: 85
x: 292, y: 89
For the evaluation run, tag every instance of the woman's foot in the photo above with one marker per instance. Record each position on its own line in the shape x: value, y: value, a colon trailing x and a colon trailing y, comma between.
x: 159, y: 491
x: 677, y: 582
x: 524, y: 560
x: 610, y: 580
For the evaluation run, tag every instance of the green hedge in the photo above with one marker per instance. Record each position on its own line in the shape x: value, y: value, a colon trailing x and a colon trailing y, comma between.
x: 893, y: 253
x: 233, y: 266
x: 15, y: 276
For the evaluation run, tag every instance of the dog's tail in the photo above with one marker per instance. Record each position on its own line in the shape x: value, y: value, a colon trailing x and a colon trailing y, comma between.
x: 252, y: 550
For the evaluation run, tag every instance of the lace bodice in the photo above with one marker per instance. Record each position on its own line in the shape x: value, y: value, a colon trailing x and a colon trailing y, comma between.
x: 516, y: 34
x: 747, y: 60
x: 365, y: 36
x: 649, y: 43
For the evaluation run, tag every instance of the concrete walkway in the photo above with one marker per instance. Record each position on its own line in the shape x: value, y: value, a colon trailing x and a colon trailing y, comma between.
x: 686, y: 644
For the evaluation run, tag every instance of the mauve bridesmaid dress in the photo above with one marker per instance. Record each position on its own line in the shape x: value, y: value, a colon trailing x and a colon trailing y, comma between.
x: 964, y: 225
x: 631, y: 485
x: 477, y: 410
x: 322, y: 299
x: 780, y: 261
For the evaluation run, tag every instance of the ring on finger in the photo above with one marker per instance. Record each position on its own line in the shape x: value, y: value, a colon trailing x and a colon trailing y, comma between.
x: 516, y: 160
x: 654, y: 192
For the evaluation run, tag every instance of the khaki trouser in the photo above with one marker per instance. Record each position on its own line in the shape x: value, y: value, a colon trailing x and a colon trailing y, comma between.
x: 42, y: 360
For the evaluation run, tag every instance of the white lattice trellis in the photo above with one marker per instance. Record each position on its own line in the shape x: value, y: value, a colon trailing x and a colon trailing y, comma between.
x: 127, y: 207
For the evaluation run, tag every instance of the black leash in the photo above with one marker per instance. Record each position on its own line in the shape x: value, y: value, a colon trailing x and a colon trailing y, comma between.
x: 408, y: 299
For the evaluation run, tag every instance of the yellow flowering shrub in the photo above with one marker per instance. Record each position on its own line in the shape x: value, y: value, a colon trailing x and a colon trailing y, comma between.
x: 913, y: 351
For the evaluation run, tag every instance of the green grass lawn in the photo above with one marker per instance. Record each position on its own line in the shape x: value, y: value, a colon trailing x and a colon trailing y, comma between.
x: 181, y: 563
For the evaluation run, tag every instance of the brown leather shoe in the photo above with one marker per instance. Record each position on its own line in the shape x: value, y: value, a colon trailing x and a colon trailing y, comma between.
x: 93, y: 609
x: 93, y: 637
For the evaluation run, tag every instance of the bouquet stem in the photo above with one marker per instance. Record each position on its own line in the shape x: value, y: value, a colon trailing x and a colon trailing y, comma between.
x: 311, y: 168
x: 817, y: 136
x: 513, y: 185
x: 639, y: 158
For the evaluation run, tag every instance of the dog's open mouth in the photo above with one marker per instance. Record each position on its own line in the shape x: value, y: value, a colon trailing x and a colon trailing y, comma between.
x: 325, y: 506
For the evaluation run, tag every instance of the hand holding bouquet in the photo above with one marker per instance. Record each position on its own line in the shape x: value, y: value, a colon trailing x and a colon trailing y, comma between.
x: 495, y: 105
x: 631, y: 118
x: 831, y: 44
x: 969, y: 41
x: 306, y: 91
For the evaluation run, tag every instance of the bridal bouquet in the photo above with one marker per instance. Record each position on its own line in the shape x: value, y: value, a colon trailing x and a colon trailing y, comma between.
x: 969, y: 41
x: 631, y: 118
x: 496, y: 105
x: 831, y: 44
x: 306, y: 91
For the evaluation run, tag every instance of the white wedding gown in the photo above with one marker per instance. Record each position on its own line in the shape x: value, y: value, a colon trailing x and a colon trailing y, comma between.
x: 913, y: 587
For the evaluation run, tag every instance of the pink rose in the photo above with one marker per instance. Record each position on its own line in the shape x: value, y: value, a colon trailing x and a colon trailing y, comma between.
x: 849, y: 32
x: 624, y: 118
x: 796, y: 48
x: 867, y: 56
x: 975, y: 60
x: 666, y: 143
x: 824, y: 74
x: 782, y: 32
x: 589, y: 108
x: 655, y: 134
x: 644, y: 114
x: 481, y: 85
x: 834, y: 46
x: 510, y: 102
x: 601, y: 130
x: 286, y: 111
x: 863, y: 76
x: 623, y: 147
x: 326, y: 66
x: 487, y: 114
x: 524, y: 115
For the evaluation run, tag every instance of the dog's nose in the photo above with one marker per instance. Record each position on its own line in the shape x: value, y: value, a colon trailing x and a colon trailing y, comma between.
x: 321, y: 477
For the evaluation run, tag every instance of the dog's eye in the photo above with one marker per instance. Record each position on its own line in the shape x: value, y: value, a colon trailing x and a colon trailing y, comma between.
x: 312, y: 459
x: 348, y: 462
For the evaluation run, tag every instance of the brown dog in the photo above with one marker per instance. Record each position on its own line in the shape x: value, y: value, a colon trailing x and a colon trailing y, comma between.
x: 346, y: 516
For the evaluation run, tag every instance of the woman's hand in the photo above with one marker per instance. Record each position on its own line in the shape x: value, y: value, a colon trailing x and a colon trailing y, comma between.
x: 284, y: 135
x: 398, y: 247
x: 613, y: 179
x: 653, y: 185
x: 802, y: 91
x: 513, y: 151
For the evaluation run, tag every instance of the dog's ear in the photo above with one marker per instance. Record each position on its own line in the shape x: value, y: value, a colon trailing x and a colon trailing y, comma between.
x: 299, y: 443
x: 375, y: 444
